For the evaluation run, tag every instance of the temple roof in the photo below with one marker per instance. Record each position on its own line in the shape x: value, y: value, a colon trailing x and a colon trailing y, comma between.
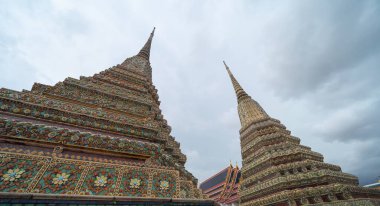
x: 215, y: 179
x: 223, y: 186
x: 373, y: 185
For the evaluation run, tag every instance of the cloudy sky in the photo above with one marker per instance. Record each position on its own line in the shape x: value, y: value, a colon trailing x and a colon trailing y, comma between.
x: 312, y: 64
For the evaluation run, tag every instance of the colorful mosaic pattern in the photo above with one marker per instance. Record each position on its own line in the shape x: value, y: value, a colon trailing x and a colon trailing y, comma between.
x: 186, y: 189
x: 95, y: 97
x: 41, y: 100
x: 52, y: 175
x: 73, y: 118
x: 59, y: 178
x: 69, y: 137
x: 17, y: 174
x: 116, y: 90
x: 135, y: 183
x: 99, y: 181
x: 164, y: 185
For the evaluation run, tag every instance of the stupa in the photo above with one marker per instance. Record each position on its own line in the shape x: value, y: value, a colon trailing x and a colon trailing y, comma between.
x: 99, y: 139
x: 278, y: 171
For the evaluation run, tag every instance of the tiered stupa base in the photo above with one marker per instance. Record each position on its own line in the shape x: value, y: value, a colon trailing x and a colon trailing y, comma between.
x: 279, y: 171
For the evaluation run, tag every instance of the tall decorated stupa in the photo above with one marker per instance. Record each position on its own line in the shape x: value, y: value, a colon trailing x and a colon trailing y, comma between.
x: 99, y: 139
x: 278, y: 171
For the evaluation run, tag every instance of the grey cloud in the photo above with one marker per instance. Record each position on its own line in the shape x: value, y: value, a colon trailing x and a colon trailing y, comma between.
x: 321, y: 40
x: 24, y: 72
x: 354, y: 123
x: 308, y: 63
x: 367, y: 165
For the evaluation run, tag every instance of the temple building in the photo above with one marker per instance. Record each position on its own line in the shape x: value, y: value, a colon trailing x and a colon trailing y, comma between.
x: 95, y: 140
x: 375, y: 185
x: 223, y: 187
x: 278, y: 171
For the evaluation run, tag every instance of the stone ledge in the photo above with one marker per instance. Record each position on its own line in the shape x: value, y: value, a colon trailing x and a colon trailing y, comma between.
x: 52, y: 199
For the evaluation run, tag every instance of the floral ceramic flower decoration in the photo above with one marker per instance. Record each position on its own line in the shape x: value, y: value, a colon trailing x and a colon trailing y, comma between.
x: 60, y: 179
x: 100, y: 181
x: 74, y: 137
x: 121, y: 144
x: 4, y: 106
x: 52, y: 134
x: 135, y: 183
x: 164, y: 185
x: 13, y: 174
x: 27, y: 111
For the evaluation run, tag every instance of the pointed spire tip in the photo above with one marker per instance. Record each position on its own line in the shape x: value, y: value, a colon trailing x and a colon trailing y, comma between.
x: 145, y: 51
x: 227, y: 68
x: 225, y: 64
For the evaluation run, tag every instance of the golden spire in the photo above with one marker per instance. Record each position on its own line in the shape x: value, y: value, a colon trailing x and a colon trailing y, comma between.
x: 145, y: 51
x: 249, y: 110
x: 240, y: 93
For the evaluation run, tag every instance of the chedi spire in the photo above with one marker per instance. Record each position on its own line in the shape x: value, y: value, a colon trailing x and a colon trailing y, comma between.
x: 145, y: 51
x: 249, y: 109
x: 240, y: 93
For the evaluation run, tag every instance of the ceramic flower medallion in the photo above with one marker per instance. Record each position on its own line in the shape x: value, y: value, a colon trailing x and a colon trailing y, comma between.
x: 164, y: 185
x: 100, y: 181
x: 13, y: 174
x: 135, y: 183
x: 60, y: 179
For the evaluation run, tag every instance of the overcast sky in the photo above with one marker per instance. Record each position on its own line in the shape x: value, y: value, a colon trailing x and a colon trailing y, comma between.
x: 314, y: 65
